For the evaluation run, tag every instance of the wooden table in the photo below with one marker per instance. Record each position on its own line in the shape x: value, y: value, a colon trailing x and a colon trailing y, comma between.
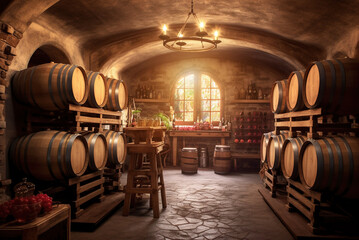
x: 59, y: 216
x: 195, y: 134
x: 146, y: 134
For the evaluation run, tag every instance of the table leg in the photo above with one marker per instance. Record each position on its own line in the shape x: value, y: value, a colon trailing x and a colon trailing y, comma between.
x: 174, y: 151
x: 223, y: 141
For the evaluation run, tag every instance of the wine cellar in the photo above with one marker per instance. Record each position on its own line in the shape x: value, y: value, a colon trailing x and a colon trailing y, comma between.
x: 187, y: 119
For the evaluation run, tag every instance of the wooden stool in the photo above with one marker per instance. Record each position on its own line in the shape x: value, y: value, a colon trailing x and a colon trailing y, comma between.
x: 145, y: 179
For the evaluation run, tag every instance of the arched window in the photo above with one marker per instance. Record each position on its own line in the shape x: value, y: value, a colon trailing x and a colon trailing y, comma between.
x: 197, y: 98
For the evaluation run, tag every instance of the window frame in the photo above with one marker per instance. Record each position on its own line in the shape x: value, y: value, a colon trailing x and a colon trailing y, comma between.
x: 198, y: 97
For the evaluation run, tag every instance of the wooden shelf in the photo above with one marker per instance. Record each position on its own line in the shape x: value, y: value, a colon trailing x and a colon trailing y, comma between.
x: 245, y: 155
x: 246, y: 101
x: 144, y: 100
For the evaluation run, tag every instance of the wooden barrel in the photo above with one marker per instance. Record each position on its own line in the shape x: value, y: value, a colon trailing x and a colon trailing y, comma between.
x: 50, y: 155
x: 290, y: 156
x: 331, y: 164
x: 117, y: 148
x: 278, y: 97
x: 189, y: 160
x: 274, y: 148
x: 51, y: 86
x: 98, y: 150
x: 98, y: 89
x: 332, y: 85
x: 294, y: 91
x: 263, y: 146
x: 222, y: 161
x: 117, y: 95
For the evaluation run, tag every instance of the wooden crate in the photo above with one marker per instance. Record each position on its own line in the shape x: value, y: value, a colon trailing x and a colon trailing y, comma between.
x: 112, y: 179
x: 84, y: 189
x: 76, y: 119
x: 314, y: 123
x: 272, y: 182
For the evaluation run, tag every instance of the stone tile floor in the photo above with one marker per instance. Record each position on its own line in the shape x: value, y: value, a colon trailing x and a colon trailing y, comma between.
x: 200, y: 206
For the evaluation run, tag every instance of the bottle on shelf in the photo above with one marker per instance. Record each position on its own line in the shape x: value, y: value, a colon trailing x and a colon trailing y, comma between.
x: 150, y: 92
x: 138, y: 91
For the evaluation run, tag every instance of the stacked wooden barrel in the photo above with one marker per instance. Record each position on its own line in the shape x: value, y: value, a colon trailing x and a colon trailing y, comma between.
x: 328, y: 163
x: 57, y: 155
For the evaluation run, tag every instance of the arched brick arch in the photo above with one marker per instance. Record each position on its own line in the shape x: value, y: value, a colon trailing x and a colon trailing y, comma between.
x: 15, y: 18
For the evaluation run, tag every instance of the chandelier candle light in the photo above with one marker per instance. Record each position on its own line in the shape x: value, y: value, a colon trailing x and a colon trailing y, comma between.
x: 198, y: 43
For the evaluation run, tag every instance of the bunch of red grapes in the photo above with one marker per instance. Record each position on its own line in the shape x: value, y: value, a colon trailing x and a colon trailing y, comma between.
x: 26, y: 208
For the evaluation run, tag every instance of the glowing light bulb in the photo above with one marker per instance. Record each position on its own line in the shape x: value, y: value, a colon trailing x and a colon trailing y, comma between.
x: 201, y: 26
x: 180, y: 35
x: 164, y: 29
x: 216, y: 35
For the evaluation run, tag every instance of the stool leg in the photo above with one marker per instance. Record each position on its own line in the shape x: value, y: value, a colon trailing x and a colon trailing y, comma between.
x: 163, y: 191
x: 130, y: 185
x: 151, y: 201
x: 154, y: 186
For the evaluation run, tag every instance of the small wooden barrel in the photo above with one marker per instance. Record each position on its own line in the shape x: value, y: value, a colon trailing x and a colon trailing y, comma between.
x: 51, y: 86
x: 98, y: 89
x: 274, y: 148
x: 117, y: 95
x: 331, y: 164
x: 50, y: 155
x: 294, y: 91
x: 332, y: 85
x: 290, y: 156
x: 263, y: 146
x: 98, y: 151
x: 222, y: 161
x: 278, y: 97
x: 189, y: 160
x: 117, y: 148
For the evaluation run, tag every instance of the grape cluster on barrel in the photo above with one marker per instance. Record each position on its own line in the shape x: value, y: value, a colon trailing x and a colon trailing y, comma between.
x: 24, y: 209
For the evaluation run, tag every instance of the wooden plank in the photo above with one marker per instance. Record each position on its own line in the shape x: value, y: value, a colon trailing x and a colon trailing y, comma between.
x: 304, y: 113
x: 89, y: 196
x: 93, y: 110
x: 97, y: 212
x: 144, y: 100
x: 300, y: 207
x: 268, y: 175
x: 300, y: 186
x: 217, y: 134
x: 90, y: 185
x: 82, y: 178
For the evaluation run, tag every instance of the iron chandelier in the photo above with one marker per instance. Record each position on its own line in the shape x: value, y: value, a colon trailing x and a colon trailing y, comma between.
x: 199, y: 43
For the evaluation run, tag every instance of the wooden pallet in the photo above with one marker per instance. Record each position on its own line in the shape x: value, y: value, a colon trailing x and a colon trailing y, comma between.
x: 84, y: 189
x: 306, y: 201
x: 314, y: 122
x: 296, y: 224
x: 324, y: 216
x: 76, y: 119
x: 112, y: 179
x: 271, y: 181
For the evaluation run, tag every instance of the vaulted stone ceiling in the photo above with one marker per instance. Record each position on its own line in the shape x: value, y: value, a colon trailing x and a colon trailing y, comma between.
x: 121, y: 33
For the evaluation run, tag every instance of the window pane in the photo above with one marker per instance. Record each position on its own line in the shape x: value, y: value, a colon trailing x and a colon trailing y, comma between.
x: 189, y: 106
x: 215, y: 94
x: 206, y: 93
x: 189, y: 94
x: 215, y: 106
x: 188, y: 116
x: 205, y: 105
x: 205, y: 81
x: 215, y: 116
x: 179, y: 106
x: 189, y: 81
x: 214, y: 85
x: 179, y: 95
x: 179, y: 116
x: 205, y: 117
x: 180, y: 83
